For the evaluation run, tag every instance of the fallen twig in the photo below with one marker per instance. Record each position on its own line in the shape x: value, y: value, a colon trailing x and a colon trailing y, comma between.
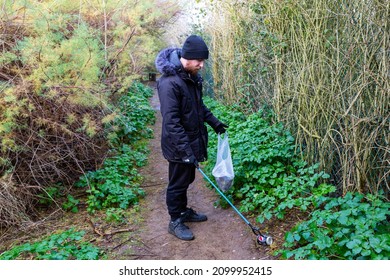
x: 120, y: 244
x: 109, y: 233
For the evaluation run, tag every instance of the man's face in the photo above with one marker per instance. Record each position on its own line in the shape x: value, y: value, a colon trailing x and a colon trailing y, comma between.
x: 192, y: 66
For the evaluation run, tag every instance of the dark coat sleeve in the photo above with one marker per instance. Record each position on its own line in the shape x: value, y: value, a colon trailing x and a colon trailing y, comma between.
x: 209, y: 117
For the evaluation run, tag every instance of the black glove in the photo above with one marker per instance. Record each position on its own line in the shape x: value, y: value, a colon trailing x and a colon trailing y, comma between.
x: 192, y: 160
x: 221, y: 128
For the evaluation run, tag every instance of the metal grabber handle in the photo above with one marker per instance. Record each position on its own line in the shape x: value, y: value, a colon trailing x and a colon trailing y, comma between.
x: 261, y: 239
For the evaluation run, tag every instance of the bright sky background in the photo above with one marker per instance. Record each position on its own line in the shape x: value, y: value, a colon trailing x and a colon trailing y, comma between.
x: 191, y: 15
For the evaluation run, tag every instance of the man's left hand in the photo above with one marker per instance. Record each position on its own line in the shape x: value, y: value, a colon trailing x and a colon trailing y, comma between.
x: 221, y: 128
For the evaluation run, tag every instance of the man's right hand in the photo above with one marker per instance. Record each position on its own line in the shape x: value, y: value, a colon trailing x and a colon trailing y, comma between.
x: 192, y: 160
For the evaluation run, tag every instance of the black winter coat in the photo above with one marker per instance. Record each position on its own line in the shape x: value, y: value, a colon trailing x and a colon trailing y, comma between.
x: 184, y: 133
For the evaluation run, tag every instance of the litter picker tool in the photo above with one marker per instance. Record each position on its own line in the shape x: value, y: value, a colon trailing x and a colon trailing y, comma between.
x: 261, y: 239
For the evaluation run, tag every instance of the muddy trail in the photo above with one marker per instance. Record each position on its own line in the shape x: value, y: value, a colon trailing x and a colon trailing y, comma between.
x: 224, y: 236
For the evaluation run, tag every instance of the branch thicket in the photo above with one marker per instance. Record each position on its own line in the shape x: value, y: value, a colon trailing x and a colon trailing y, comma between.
x: 62, y: 66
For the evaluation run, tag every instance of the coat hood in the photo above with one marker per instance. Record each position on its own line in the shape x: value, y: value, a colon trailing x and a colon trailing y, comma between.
x: 168, y: 61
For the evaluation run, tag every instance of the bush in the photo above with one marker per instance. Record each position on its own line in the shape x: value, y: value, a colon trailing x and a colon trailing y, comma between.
x: 117, y: 183
x: 350, y: 227
x: 67, y: 245
x: 58, y: 75
x: 131, y: 115
x: 270, y: 178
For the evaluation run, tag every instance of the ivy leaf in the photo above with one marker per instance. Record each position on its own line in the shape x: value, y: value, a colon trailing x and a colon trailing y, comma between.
x: 289, y: 237
x: 323, y: 242
x: 306, y: 235
x: 353, y: 243
x: 343, y: 219
x: 297, y: 237
x: 268, y: 215
x: 356, y: 250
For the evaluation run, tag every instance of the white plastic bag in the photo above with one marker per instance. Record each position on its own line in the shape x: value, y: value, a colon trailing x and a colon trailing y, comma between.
x: 223, y: 169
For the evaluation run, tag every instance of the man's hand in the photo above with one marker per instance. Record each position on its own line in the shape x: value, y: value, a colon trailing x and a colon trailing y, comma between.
x: 192, y: 160
x: 221, y: 128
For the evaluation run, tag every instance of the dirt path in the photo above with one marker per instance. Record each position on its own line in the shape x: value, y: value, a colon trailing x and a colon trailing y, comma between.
x: 223, y: 237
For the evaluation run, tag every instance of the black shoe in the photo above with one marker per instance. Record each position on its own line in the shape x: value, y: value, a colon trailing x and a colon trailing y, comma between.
x: 180, y: 230
x: 191, y: 216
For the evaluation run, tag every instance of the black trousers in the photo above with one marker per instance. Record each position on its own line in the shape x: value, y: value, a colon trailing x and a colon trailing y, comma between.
x: 181, y: 175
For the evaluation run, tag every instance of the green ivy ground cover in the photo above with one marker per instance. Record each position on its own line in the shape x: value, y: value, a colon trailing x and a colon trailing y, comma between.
x: 271, y: 179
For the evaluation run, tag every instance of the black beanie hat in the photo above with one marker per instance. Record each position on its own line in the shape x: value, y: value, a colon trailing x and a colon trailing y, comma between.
x: 194, y: 48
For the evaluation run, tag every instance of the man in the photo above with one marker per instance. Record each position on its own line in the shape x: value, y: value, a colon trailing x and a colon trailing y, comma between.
x: 184, y: 134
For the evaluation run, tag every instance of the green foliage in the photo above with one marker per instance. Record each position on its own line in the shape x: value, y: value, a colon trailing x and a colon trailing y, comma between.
x: 67, y: 245
x: 71, y: 204
x: 58, y: 193
x: 350, y: 227
x: 132, y: 115
x: 115, y: 215
x: 71, y: 57
x: 7, y: 57
x: 53, y: 65
x: 319, y: 65
x: 269, y: 177
x: 49, y: 195
x: 117, y: 183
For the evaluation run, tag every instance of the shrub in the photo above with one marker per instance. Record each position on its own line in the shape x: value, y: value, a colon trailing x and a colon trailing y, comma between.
x: 66, y: 245
x: 270, y: 178
x: 350, y: 227
x: 58, y: 75
x: 117, y: 183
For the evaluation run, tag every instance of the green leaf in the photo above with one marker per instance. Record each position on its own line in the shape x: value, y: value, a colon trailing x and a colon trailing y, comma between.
x: 306, y: 235
x: 353, y: 243
x: 366, y: 253
x: 356, y: 250
x: 343, y: 219
x: 289, y: 237
x: 323, y: 242
x: 268, y: 215
x: 297, y: 237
